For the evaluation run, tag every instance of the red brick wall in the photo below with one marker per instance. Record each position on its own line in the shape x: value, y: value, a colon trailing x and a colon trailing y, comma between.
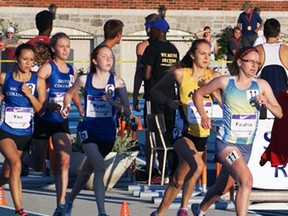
x: 265, y: 5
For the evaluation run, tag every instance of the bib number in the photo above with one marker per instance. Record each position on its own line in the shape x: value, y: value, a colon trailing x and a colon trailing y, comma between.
x: 194, y: 116
x: 243, y: 125
x: 18, y: 117
x: 232, y: 157
x: 57, y: 98
x: 97, y: 108
x: 83, y: 135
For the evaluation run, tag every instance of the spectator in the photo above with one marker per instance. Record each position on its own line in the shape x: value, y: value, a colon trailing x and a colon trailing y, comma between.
x: 12, y: 42
x: 273, y: 58
x: 112, y: 35
x: 158, y: 57
x: 249, y: 19
x: 261, y: 38
x: 44, y: 25
x: 206, y: 34
x: 140, y: 48
x: 233, y: 45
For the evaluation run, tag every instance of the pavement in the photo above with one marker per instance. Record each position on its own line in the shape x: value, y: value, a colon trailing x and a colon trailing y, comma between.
x: 39, y: 199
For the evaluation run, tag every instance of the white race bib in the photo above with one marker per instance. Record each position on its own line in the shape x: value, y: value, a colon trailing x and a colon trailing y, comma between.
x: 57, y: 97
x: 97, y: 108
x: 18, y: 117
x: 243, y: 125
x: 194, y: 116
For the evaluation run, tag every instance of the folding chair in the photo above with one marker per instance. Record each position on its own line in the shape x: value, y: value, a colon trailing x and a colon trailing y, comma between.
x: 156, y: 127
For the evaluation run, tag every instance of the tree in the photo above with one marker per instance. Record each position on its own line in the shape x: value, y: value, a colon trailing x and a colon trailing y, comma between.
x: 222, y: 39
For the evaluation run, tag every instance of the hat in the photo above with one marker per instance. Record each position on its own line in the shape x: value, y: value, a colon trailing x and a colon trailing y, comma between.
x: 160, y: 24
x: 147, y: 25
x: 246, y: 6
x: 10, y: 29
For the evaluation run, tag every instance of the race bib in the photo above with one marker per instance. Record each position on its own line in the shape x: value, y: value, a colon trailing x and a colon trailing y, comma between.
x: 110, y: 88
x: 232, y: 157
x: 251, y: 94
x: 71, y: 80
x: 18, y: 117
x: 243, y: 125
x: 32, y: 87
x: 194, y: 116
x: 97, y: 108
x: 83, y: 135
x: 57, y: 97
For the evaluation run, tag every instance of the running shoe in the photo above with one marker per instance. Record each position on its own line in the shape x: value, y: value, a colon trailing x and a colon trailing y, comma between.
x: 182, y: 212
x: 154, y: 213
x: 60, y: 210
x: 195, y: 209
x: 68, y: 208
x: 156, y: 179
x: 21, y: 212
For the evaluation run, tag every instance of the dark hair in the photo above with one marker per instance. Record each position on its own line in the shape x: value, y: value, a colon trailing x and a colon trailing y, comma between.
x: 236, y: 28
x: 44, y: 20
x: 94, y: 55
x: 271, y: 28
x: 21, y: 47
x: 239, y: 55
x: 151, y: 17
x: 187, y: 60
x: 205, y: 28
x: 112, y: 28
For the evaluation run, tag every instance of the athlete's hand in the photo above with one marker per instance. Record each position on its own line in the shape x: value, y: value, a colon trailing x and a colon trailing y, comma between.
x: 108, y: 97
x: 65, y: 112
x: 136, y: 105
x: 205, y: 122
x: 26, y: 90
x: 1, y: 97
x: 262, y: 100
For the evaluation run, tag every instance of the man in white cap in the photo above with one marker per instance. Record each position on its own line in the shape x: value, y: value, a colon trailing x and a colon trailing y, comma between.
x: 249, y: 20
x: 12, y: 42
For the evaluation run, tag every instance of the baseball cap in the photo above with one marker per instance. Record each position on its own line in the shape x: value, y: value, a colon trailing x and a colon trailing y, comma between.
x: 147, y: 24
x: 246, y: 6
x: 160, y: 24
x: 10, y: 29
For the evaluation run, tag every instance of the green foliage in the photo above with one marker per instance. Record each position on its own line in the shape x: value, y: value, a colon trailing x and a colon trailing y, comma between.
x: 124, y: 144
x: 222, y: 39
